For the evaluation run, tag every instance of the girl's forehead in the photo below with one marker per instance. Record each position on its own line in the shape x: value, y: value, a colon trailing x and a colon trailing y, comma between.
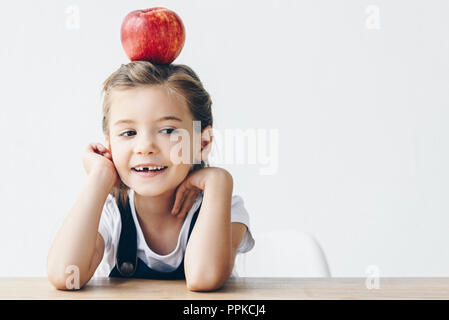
x: 147, y: 103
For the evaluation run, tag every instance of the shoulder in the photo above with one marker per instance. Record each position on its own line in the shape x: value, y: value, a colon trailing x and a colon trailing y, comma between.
x: 237, y: 200
x: 110, y: 220
x: 238, y: 210
x: 241, y: 215
x: 110, y: 207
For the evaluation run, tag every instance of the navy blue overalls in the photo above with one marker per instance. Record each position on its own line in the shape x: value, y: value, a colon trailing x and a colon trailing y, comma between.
x: 128, y: 265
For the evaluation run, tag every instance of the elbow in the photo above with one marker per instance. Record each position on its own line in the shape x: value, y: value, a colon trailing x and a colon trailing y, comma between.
x: 205, y: 283
x: 65, y: 281
x: 54, y: 275
x: 57, y: 282
x: 55, y: 278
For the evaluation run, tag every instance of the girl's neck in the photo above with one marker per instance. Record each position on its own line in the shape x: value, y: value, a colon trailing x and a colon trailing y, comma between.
x: 155, y: 208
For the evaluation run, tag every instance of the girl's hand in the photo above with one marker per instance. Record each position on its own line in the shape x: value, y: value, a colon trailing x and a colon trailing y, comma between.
x: 98, y: 157
x: 193, y: 184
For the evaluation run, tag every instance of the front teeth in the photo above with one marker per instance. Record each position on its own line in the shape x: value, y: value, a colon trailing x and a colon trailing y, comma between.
x: 149, y: 168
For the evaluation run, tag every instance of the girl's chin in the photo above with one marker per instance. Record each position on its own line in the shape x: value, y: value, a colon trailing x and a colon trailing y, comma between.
x: 150, y: 190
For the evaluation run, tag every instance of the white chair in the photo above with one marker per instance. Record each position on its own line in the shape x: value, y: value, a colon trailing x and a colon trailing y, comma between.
x: 283, y: 253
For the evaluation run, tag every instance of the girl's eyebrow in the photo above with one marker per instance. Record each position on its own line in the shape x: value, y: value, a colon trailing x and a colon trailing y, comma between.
x: 166, y: 118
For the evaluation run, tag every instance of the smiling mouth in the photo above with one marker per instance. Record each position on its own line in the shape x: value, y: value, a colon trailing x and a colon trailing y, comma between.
x: 148, y: 170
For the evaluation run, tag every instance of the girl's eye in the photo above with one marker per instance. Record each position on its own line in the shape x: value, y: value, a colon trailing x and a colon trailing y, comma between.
x: 170, y: 129
x: 123, y: 134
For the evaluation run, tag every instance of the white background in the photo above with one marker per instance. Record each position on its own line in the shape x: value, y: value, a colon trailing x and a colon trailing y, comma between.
x: 362, y: 116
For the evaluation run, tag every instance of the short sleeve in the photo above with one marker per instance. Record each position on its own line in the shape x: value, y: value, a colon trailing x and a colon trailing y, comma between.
x: 239, y: 214
x: 105, y: 227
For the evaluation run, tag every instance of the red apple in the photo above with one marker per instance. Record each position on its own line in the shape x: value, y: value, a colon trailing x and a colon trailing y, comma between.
x: 155, y: 34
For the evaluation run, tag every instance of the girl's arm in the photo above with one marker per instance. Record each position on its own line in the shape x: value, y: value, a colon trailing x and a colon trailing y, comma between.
x: 209, y: 254
x: 75, y: 245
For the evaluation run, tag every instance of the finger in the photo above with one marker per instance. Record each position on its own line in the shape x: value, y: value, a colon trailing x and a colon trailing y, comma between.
x: 190, y: 204
x: 103, y: 150
x: 187, y: 204
x: 106, y: 152
x: 94, y: 148
x: 182, y: 206
x: 193, y: 198
x: 100, y: 147
x: 176, y: 207
x: 179, y: 198
x: 91, y: 146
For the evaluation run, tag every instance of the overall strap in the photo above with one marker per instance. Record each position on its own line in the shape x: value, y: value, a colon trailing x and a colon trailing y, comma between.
x: 126, y: 260
x: 192, y: 223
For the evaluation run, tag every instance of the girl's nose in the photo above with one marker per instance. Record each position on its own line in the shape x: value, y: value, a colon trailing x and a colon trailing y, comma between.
x: 147, y: 145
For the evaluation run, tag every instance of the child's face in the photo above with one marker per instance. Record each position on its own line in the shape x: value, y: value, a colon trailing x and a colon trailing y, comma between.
x: 147, y: 140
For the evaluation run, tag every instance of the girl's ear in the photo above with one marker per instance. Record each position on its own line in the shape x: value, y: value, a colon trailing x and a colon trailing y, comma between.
x: 206, y: 142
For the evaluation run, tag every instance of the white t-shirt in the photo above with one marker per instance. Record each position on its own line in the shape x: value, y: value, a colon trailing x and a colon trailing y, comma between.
x: 110, y: 228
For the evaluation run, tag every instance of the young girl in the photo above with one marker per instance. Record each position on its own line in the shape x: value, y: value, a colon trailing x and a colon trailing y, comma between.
x: 143, y: 213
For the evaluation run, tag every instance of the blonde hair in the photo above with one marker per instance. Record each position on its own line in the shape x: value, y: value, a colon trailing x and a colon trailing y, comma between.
x: 178, y: 79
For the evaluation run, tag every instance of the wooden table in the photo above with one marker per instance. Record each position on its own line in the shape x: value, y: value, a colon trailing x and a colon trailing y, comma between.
x: 234, y: 289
